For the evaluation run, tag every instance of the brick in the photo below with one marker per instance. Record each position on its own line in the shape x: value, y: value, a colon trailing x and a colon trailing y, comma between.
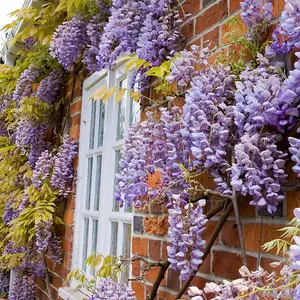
x: 155, y: 207
x: 187, y: 29
x: 139, y: 289
x: 152, y: 274
x: 164, y: 252
x: 75, y: 107
x: 234, y: 5
x: 265, y: 264
x: 229, y: 235
x: 227, y: 264
x: 252, y: 235
x: 140, y: 246
x: 155, y: 249
x: 69, y: 217
x: 153, y: 179
x: 136, y: 268
x: 173, y: 281
x: 278, y: 6
x: 228, y: 28
x: 209, y: 228
x: 211, y: 39
x: 205, y: 267
x: 75, y: 132
x: 66, y: 245
x: 211, y: 16
x: 191, y: 7
x: 76, y: 120
x: 68, y: 232
x: 164, y: 295
x: 156, y: 225
x: 199, y: 282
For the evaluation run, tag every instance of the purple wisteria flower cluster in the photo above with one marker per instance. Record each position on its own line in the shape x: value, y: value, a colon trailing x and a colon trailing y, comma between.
x: 50, y: 88
x: 23, y: 288
x: 29, y: 136
x: 24, y: 84
x: 107, y: 288
x: 207, y: 120
x: 62, y: 175
x: 257, y: 16
x: 43, y: 235
x: 4, y: 282
x: 287, y: 34
x: 135, y: 163
x: 186, y: 65
x: 148, y: 28
x: 258, y: 169
x: 283, y: 111
x: 94, y: 31
x: 185, y: 236
x: 160, y: 33
x: 69, y: 42
x: 169, y: 156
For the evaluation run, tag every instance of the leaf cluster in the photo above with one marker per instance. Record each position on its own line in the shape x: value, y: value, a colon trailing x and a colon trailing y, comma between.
x: 101, y: 267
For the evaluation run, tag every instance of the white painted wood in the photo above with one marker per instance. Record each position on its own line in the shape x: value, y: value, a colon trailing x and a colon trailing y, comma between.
x: 105, y: 215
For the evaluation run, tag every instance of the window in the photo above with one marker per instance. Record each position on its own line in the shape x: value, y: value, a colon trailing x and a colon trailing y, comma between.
x: 100, y: 224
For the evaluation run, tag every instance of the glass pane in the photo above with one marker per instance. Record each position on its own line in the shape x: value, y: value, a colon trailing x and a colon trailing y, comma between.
x: 98, y: 182
x: 95, y: 236
x: 134, y: 112
x: 121, y: 112
x: 101, y: 124
x: 92, y: 127
x: 126, y: 251
x: 85, y: 242
x: 117, y: 170
x: 89, y: 184
x: 114, y: 238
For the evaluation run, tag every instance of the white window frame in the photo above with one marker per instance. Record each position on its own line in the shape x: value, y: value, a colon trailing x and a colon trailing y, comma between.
x: 105, y: 214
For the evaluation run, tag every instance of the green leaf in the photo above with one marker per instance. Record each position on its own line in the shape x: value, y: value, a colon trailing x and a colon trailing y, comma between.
x: 62, y: 5
x: 120, y: 95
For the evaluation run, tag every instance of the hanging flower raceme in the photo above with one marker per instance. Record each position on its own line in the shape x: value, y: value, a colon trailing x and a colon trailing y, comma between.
x: 207, y: 121
x: 135, y: 163
x: 187, y: 64
x: 23, y: 288
x: 50, y: 88
x: 148, y: 28
x: 4, y: 282
x: 62, y: 175
x: 259, y: 167
x: 94, y: 30
x: 107, y: 288
x: 287, y: 34
x: 186, y: 225
x: 160, y: 33
x: 257, y: 16
x: 24, y: 84
x: 283, y: 110
x: 69, y: 42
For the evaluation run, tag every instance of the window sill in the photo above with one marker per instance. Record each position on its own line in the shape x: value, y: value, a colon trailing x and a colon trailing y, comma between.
x: 70, y: 294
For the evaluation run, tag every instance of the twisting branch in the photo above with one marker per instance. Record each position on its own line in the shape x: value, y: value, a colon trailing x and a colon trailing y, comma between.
x: 209, y: 244
x: 159, y: 279
x: 238, y: 220
x: 47, y: 278
x: 165, y: 265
